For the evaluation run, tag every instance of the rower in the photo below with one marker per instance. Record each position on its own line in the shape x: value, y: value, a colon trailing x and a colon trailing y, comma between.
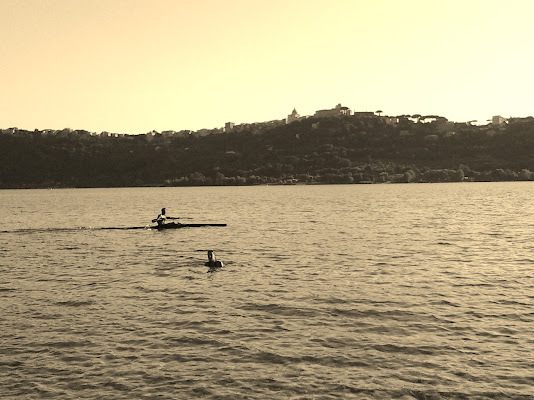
x: 212, y: 260
x: 160, y: 219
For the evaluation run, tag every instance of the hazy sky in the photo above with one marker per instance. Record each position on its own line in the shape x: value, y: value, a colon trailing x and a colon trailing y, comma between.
x: 130, y: 66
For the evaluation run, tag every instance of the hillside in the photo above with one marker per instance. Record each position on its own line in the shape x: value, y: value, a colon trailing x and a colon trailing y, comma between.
x: 347, y: 149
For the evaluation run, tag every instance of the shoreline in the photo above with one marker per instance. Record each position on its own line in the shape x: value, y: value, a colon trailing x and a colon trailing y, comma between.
x: 253, y: 185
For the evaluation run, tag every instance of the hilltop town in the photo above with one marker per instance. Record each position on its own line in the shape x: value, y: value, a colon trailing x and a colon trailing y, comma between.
x: 334, y: 145
x: 229, y: 127
x: 255, y: 127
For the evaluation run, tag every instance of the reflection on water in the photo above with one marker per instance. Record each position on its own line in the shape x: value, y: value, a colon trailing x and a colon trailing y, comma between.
x: 372, y: 291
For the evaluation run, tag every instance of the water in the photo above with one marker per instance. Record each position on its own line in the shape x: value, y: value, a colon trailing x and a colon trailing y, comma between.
x: 357, y: 291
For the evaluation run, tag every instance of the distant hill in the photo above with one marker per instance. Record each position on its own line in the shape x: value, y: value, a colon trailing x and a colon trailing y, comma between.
x: 346, y: 149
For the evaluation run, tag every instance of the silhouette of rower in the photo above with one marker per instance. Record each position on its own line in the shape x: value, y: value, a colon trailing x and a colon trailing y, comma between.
x: 162, y: 218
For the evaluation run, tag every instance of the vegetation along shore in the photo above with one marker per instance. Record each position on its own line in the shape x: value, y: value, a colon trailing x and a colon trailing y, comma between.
x: 343, y: 149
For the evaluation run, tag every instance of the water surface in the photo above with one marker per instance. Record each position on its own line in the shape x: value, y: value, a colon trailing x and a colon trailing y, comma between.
x: 352, y: 291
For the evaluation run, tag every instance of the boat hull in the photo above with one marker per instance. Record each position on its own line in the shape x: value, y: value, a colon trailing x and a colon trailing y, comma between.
x: 175, y: 225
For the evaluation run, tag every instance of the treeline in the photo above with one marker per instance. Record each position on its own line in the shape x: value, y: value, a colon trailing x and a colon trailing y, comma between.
x: 346, y: 149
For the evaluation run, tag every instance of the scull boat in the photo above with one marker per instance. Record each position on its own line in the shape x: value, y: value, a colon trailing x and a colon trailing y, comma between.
x: 177, y: 225
x: 170, y: 225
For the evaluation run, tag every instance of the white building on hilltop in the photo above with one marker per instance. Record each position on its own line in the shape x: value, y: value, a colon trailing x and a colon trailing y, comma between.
x: 294, y: 116
x: 334, y: 112
x: 498, y: 120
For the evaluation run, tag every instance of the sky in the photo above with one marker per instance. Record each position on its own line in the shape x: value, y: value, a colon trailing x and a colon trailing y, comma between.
x: 132, y: 66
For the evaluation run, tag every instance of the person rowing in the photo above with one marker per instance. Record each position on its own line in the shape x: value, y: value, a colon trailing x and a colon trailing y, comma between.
x: 162, y: 218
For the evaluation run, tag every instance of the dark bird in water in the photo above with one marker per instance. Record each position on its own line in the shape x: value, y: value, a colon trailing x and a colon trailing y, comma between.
x: 212, y: 261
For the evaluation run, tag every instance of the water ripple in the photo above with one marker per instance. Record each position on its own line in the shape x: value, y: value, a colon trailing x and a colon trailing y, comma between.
x: 390, y: 292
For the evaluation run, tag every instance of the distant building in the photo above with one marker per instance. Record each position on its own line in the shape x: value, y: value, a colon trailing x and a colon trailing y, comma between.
x: 258, y: 127
x: 240, y: 127
x: 498, y: 120
x: 390, y: 120
x: 294, y: 116
x: 206, y: 132
x: 229, y: 127
x: 202, y: 132
x: 184, y: 133
x: 444, y: 126
x: 334, y: 112
x: 364, y: 114
x: 150, y: 135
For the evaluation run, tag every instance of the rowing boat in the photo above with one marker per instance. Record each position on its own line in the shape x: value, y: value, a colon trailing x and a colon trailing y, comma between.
x: 177, y: 225
x: 170, y: 225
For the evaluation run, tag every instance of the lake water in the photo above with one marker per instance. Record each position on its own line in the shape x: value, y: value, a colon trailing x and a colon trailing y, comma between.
x: 408, y: 291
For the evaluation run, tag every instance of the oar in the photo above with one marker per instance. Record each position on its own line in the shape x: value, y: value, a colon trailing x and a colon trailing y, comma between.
x: 155, y: 219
